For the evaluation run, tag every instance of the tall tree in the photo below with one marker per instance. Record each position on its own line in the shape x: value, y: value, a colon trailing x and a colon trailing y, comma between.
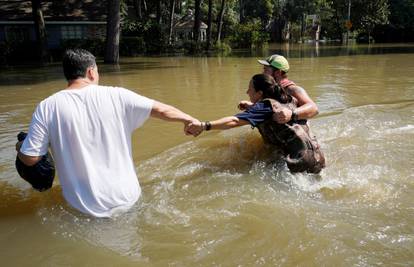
x: 40, y: 29
x: 172, y: 7
x: 197, y: 20
x: 369, y: 13
x: 159, y: 12
x: 220, y: 20
x: 258, y: 9
x: 179, y: 6
x: 209, y: 23
x: 113, y: 31
x: 138, y: 9
x: 241, y: 11
x: 337, y: 22
x: 401, y: 20
x: 144, y: 2
x: 279, y: 22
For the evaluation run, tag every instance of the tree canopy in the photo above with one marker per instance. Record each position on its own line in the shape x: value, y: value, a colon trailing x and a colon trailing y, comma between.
x: 149, y: 26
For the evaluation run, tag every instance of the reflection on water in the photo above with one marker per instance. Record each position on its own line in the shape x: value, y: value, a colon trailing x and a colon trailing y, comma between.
x: 322, y: 49
x: 225, y: 198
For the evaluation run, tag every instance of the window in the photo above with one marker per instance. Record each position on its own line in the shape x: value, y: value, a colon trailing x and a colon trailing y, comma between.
x: 72, y: 32
x: 95, y: 32
x: 17, y: 33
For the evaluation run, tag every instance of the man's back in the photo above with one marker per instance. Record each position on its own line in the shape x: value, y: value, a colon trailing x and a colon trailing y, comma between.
x: 89, y: 131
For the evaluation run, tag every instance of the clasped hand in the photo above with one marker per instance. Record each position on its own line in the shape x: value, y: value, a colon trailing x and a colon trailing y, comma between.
x: 194, y: 128
x: 282, y: 115
x: 244, y: 104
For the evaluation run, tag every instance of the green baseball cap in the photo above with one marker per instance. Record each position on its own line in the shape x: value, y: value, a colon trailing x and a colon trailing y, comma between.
x: 276, y: 61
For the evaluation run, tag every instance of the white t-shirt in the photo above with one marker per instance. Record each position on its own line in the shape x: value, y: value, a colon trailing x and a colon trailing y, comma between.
x: 89, y: 131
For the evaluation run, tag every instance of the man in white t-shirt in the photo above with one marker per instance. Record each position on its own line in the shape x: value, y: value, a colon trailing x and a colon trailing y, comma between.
x: 89, y: 128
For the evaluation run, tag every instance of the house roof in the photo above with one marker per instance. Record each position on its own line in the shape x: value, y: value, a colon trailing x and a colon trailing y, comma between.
x: 62, y: 10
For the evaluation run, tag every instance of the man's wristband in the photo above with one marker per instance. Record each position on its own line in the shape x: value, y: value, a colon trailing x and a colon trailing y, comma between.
x: 208, y: 125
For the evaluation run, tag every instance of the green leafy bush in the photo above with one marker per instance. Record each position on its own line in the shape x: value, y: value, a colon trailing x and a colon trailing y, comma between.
x: 248, y: 35
x: 155, y: 40
x: 131, y: 46
x: 149, y: 34
x: 192, y: 47
x: 135, y: 28
x: 222, y: 47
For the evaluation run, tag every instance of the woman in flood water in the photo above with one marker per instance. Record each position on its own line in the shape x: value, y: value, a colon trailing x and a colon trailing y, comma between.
x: 300, y: 148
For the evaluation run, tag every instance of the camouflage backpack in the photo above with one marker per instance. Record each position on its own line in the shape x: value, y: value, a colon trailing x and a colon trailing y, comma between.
x: 298, y: 144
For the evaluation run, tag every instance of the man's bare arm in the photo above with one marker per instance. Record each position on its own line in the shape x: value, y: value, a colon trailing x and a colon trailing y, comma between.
x: 27, y: 160
x: 169, y: 113
x: 306, y: 107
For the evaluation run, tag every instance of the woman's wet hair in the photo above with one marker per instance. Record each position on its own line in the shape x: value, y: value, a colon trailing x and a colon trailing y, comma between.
x: 270, y: 88
x: 76, y: 62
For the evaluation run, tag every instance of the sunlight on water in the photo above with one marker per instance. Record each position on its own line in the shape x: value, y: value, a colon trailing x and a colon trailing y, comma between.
x: 227, y: 190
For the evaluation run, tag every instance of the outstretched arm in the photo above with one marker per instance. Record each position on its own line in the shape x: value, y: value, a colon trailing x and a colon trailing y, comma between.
x: 220, y: 124
x: 227, y: 123
x: 170, y: 113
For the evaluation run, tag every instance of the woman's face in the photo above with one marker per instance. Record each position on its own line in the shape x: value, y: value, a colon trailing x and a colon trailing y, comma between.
x: 253, y: 94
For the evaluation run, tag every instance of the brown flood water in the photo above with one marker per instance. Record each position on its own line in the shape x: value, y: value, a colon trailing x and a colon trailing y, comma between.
x: 220, y: 199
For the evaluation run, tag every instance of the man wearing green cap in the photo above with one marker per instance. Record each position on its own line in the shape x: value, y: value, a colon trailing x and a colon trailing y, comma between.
x: 277, y: 66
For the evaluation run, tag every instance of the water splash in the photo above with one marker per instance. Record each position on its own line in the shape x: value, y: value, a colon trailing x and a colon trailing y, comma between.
x: 218, y: 190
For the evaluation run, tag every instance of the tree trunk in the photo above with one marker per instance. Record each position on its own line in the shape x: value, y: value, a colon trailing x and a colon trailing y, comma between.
x: 241, y: 7
x: 338, y: 24
x: 40, y: 29
x: 278, y: 30
x: 209, y: 23
x: 145, y: 6
x: 159, y: 14
x: 197, y: 20
x: 287, y: 33
x: 302, y: 28
x: 112, y: 32
x: 220, y: 20
x: 172, y: 7
x: 138, y: 9
x: 179, y: 6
